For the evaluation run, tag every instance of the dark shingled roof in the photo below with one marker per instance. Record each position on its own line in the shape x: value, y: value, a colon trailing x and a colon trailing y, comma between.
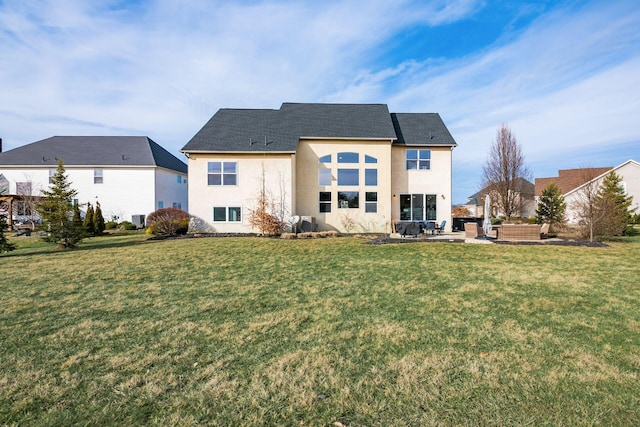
x: 251, y: 130
x: 93, y: 151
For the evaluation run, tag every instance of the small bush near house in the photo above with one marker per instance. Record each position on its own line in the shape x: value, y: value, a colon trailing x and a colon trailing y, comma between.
x: 168, y: 222
x: 127, y: 225
x: 110, y: 225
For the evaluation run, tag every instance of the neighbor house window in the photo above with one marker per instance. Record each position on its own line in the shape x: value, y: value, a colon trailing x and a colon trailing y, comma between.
x: 348, y: 199
x: 226, y: 214
x: 23, y: 188
x: 371, y: 202
x: 222, y: 173
x: 324, y: 198
x: 179, y: 179
x: 348, y: 158
x: 324, y: 177
x: 371, y: 177
x: 52, y: 172
x: 177, y: 205
x: 348, y: 177
x: 98, y: 177
x: 160, y: 204
x: 418, y: 159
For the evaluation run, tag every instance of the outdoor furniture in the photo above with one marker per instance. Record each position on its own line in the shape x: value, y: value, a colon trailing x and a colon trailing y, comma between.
x: 430, y: 226
x: 519, y: 232
x: 440, y: 227
x: 472, y: 230
x: 544, y: 231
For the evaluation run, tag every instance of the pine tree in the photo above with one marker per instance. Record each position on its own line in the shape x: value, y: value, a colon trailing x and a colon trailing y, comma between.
x: 614, y: 205
x: 89, y: 225
x: 551, y: 207
x: 98, y: 220
x: 56, y: 210
x: 5, y: 246
x: 77, y: 219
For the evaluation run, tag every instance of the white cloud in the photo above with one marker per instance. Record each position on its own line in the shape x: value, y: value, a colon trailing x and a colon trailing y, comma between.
x: 162, y: 68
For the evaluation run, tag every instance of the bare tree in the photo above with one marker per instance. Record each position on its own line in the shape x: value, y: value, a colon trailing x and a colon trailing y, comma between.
x: 585, y: 205
x: 505, y: 174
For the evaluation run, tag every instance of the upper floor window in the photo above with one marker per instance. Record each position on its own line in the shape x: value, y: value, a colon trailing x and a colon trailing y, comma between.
x: 371, y: 177
x: 369, y: 159
x: 324, y: 177
x: 179, y: 179
x: 418, y: 159
x: 348, y: 177
x: 348, y: 158
x: 325, y: 159
x: 222, y: 173
x: 98, y: 177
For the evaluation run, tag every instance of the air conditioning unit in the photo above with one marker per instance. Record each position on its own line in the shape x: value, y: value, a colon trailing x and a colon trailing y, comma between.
x: 308, y: 224
x: 138, y: 220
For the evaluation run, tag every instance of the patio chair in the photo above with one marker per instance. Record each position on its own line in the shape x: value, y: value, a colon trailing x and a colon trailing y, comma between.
x: 544, y: 231
x: 440, y: 227
x: 430, y: 226
x: 472, y: 230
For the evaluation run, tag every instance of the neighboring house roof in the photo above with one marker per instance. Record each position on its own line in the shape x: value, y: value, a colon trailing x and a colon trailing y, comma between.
x: 569, y: 179
x: 93, y: 151
x: 251, y: 130
x: 478, y: 198
x: 604, y: 171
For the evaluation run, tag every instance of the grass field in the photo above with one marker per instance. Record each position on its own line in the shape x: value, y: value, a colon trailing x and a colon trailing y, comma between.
x: 250, y: 331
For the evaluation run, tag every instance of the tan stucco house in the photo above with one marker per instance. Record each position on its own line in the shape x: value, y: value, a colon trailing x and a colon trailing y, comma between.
x: 343, y: 167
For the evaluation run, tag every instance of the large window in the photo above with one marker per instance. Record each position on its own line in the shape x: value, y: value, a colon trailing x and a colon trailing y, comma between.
x: 98, y: 176
x: 348, y: 177
x: 325, y: 159
x: 412, y: 207
x: 227, y: 214
x: 418, y: 159
x: 348, y: 199
x: 324, y: 198
x: 222, y: 173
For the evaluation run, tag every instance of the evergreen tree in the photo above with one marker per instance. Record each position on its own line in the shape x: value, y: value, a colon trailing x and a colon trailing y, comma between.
x: 551, y: 207
x: 56, y: 210
x: 614, y: 205
x: 77, y: 219
x: 89, y: 225
x: 98, y: 220
x: 5, y: 246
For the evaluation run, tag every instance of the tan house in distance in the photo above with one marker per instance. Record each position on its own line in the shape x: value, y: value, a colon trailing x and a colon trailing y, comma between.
x: 343, y: 167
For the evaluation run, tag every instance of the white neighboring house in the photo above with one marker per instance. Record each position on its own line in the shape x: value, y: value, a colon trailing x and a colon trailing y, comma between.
x: 130, y: 176
x: 571, y: 183
x: 629, y: 173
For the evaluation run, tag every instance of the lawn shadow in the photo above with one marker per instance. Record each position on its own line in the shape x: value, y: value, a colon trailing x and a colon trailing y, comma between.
x: 82, y: 247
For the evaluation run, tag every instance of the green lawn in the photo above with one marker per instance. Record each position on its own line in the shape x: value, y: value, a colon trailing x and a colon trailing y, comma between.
x: 251, y: 331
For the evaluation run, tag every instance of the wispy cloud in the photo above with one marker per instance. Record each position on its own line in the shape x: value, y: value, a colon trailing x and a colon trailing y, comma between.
x: 569, y: 80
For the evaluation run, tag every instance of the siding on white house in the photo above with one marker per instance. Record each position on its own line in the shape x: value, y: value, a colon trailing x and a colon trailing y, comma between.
x: 124, y: 191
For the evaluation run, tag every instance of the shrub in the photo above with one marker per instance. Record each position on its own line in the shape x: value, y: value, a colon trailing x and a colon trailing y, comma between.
x: 127, y: 225
x: 110, y: 225
x: 168, y: 222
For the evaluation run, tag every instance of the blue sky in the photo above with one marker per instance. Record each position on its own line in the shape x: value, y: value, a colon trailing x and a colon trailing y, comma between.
x: 564, y: 75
